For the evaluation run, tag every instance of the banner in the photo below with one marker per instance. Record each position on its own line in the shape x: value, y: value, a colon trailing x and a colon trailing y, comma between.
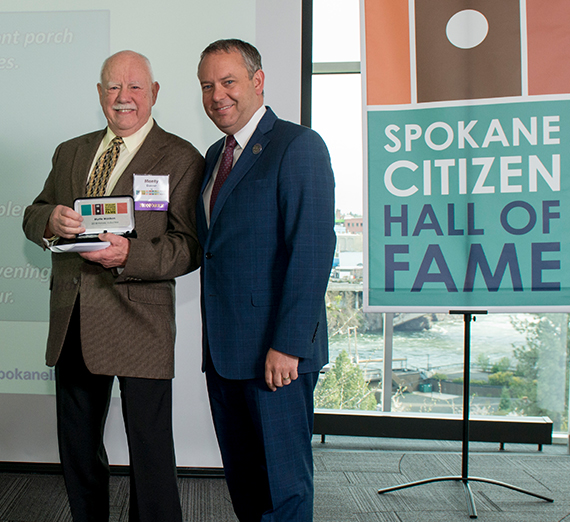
x: 467, y: 136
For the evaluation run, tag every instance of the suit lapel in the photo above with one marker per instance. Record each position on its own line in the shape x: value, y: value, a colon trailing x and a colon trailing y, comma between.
x: 253, y: 151
x: 211, y: 158
x: 83, y: 161
x: 150, y: 153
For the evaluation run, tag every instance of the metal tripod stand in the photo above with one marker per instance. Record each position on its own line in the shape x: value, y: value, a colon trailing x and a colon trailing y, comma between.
x: 464, y: 478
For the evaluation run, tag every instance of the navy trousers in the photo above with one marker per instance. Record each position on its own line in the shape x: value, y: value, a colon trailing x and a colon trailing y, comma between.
x: 265, y: 442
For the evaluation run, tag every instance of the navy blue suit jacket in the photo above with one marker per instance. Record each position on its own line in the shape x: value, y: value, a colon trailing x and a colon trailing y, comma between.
x: 268, y: 251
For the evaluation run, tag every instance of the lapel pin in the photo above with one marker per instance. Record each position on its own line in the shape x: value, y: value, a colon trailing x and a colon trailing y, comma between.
x: 257, y: 148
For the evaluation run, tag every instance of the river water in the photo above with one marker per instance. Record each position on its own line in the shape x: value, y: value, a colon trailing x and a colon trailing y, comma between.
x: 441, y: 347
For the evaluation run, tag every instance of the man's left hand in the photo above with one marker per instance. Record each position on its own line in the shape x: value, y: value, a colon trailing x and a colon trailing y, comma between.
x: 114, y: 256
x: 280, y: 369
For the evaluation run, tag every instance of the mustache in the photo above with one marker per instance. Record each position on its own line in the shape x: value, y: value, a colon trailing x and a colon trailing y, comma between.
x: 123, y: 107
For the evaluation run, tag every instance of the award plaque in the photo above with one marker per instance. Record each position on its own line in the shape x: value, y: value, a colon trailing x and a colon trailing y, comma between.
x: 114, y: 214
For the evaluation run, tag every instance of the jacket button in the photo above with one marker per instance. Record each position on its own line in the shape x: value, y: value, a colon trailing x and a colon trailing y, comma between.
x: 209, y: 255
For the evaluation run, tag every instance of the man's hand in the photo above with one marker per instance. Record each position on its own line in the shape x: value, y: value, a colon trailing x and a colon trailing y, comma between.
x: 114, y: 256
x: 64, y: 222
x: 280, y: 369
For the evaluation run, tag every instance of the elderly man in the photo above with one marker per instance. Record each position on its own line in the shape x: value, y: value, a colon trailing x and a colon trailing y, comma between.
x: 265, y: 222
x: 112, y: 310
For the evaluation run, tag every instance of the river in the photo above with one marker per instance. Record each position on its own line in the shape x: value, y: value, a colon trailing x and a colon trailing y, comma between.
x: 441, y: 347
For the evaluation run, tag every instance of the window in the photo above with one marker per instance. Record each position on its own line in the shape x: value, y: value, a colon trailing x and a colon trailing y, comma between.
x: 519, y: 362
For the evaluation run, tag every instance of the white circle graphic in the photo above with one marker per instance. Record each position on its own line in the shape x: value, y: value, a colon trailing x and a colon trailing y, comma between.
x: 467, y: 29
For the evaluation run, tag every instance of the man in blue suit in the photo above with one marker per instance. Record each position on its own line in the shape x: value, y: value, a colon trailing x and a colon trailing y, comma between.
x: 267, y: 231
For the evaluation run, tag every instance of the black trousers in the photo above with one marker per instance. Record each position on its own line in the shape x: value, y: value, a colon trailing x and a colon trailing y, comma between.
x: 82, y: 406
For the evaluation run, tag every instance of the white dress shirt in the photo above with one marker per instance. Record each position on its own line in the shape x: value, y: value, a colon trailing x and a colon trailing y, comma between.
x: 131, y: 145
x: 242, y: 136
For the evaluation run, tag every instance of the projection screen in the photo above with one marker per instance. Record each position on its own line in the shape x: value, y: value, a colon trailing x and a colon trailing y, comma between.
x: 50, y: 57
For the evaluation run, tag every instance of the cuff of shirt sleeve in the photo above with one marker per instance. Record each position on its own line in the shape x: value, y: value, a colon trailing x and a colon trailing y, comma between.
x: 50, y: 241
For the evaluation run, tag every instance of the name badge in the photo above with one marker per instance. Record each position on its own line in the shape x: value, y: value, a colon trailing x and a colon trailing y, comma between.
x: 150, y: 192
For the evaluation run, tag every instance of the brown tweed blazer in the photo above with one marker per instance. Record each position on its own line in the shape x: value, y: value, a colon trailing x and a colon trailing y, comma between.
x: 127, y: 320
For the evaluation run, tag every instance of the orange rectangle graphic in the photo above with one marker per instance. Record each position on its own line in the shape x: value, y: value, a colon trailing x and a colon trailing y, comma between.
x: 548, y: 36
x: 388, y: 74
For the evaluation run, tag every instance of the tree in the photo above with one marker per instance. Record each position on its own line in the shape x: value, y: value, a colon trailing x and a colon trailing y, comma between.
x: 344, y: 387
x: 542, y: 367
x: 501, y: 378
x: 506, y: 403
x: 501, y: 366
x: 483, y: 361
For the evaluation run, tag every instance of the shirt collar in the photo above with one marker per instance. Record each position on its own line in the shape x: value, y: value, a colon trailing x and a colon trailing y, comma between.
x: 243, y: 135
x: 134, y: 140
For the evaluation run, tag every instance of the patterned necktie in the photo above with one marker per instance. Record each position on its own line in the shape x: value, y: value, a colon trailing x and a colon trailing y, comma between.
x: 224, y: 170
x: 105, y: 164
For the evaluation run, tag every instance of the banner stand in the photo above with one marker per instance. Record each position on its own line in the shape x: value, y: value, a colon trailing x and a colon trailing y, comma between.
x: 465, y: 478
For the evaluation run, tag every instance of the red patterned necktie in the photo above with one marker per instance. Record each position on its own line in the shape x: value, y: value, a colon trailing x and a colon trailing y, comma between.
x: 224, y: 170
x: 105, y: 164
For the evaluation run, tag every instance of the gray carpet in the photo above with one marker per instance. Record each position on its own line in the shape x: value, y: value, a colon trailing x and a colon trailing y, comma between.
x: 348, y: 473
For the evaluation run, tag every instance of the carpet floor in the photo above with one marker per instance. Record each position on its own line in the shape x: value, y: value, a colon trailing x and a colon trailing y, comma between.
x: 348, y: 473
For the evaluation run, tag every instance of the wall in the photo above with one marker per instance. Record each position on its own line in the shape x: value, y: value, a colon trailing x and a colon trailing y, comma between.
x: 48, y: 88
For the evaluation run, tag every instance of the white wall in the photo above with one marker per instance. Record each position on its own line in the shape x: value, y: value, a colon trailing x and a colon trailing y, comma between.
x: 61, y: 99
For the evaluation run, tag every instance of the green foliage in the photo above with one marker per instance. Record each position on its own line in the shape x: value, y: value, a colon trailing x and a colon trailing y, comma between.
x: 501, y: 366
x: 524, y: 389
x: 506, y: 403
x: 439, y: 376
x: 483, y: 361
x: 480, y: 382
x: 546, y: 354
x: 501, y: 378
x: 344, y: 387
x: 527, y: 361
